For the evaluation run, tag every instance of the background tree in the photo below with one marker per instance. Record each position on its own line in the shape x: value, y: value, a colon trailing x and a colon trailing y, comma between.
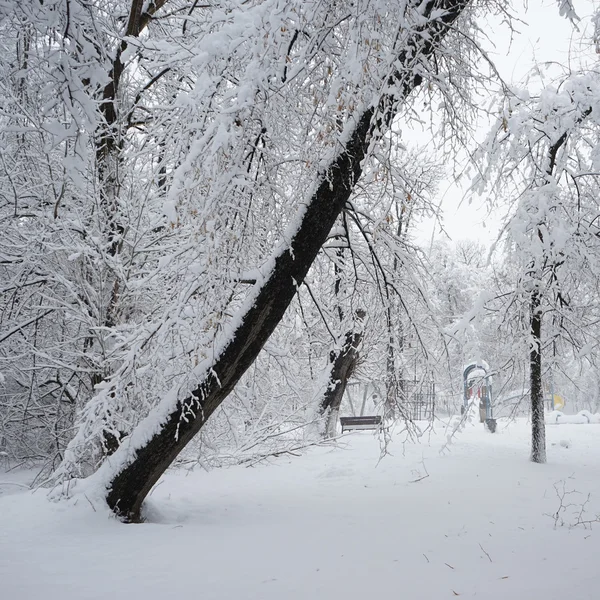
x: 542, y: 154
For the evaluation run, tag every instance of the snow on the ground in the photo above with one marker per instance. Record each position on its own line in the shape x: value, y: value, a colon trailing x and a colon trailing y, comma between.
x: 334, y: 523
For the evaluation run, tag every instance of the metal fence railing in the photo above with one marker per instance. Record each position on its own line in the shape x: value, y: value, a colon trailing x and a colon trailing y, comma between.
x: 417, y: 398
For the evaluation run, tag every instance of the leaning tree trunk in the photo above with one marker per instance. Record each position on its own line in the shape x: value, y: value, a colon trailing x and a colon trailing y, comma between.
x: 146, y: 458
x: 343, y: 363
x: 538, y: 427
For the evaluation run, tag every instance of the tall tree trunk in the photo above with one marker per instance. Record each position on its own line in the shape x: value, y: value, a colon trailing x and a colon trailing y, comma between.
x: 394, y: 384
x: 109, y: 158
x: 148, y: 455
x: 538, y: 427
x: 343, y: 362
x: 391, y: 376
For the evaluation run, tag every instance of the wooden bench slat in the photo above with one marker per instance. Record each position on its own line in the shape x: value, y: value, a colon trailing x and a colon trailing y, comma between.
x: 366, y: 422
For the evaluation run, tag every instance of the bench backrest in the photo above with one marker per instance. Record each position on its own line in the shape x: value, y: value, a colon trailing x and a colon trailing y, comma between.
x: 369, y: 420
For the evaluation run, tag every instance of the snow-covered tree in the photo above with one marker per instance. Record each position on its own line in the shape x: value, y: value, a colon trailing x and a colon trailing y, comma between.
x: 543, y: 158
x: 175, y: 170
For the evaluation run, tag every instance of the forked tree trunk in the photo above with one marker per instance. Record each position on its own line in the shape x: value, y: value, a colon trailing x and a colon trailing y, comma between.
x: 146, y: 462
x: 343, y: 363
x: 538, y: 426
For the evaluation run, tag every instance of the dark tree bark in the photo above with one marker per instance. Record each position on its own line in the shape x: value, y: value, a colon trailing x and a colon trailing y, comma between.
x: 538, y: 426
x: 131, y: 485
x: 343, y: 363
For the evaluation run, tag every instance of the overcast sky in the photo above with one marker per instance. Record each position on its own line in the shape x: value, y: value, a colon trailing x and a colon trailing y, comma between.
x: 544, y: 38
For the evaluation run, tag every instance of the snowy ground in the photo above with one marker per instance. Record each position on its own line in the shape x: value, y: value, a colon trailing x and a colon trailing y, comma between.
x: 330, y: 524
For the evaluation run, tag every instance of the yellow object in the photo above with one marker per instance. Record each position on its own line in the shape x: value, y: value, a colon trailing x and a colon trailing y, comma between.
x: 559, y: 403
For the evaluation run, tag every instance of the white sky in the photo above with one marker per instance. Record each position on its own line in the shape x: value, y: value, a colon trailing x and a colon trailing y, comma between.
x: 544, y: 37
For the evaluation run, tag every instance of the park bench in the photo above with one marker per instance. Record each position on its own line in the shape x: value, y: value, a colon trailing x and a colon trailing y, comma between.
x: 369, y: 422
